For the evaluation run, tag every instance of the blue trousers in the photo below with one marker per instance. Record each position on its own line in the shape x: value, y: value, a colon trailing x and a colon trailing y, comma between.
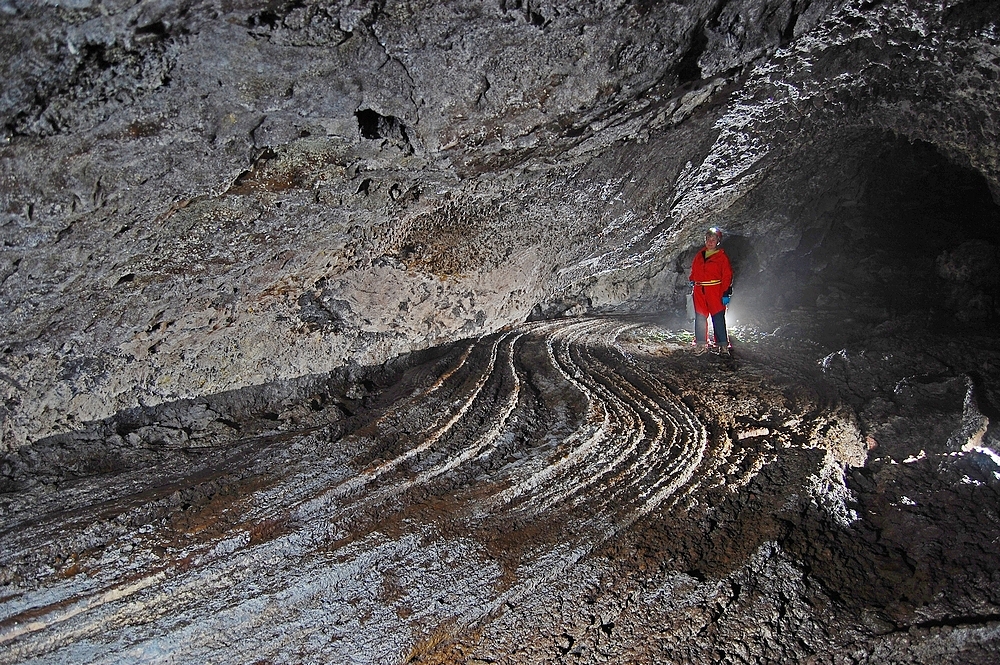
x: 718, y: 324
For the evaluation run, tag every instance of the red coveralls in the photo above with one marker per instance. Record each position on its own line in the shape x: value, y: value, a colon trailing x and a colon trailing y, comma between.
x: 712, y: 276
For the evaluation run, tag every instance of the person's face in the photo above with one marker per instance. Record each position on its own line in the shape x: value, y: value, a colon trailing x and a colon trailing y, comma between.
x: 711, y: 241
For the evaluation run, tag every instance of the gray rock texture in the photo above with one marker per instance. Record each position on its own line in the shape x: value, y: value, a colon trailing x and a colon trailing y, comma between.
x: 355, y: 331
x: 198, y: 196
x: 577, y: 490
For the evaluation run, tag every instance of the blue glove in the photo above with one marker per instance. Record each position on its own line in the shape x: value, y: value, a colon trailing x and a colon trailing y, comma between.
x: 725, y: 300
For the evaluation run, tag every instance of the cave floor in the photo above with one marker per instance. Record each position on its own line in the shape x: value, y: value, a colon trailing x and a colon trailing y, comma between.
x: 570, y: 491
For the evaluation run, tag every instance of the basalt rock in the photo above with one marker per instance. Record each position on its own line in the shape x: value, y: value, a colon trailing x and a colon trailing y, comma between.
x: 202, y: 196
x: 354, y: 330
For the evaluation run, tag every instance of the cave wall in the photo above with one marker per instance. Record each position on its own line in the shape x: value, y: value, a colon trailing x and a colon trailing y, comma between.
x: 199, y: 196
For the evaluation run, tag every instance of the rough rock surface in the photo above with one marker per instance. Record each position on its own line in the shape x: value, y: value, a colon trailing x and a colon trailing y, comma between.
x: 570, y: 491
x: 226, y: 223
x: 199, y: 196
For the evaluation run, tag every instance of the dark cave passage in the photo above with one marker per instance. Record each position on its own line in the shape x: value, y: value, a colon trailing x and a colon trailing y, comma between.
x: 881, y: 228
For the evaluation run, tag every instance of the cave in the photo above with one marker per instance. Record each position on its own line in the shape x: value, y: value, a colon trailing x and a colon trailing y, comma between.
x: 362, y: 331
x: 877, y: 233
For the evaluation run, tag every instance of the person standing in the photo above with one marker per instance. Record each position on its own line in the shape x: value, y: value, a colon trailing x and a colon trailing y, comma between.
x: 712, y: 281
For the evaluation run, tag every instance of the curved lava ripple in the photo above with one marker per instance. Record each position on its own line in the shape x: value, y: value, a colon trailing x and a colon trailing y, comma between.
x: 485, y: 473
